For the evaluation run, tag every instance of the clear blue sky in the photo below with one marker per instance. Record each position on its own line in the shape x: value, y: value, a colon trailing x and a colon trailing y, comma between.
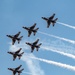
x: 17, y: 13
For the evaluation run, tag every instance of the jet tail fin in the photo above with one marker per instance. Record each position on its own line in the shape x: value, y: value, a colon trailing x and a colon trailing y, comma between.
x: 38, y: 46
x: 54, y: 21
x: 20, y: 55
x: 20, y: 71
x: 19, y: 39
x: 35, y: 31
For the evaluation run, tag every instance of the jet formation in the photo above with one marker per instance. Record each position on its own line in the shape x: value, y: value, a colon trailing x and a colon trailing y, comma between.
x: 16, y: 70
x: 33, y: 45
x: 50, y: 20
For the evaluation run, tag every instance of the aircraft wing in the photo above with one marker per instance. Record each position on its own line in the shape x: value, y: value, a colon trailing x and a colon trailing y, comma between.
x: 14, y: 57
x: 36, y: 41
x: 29, y: 33
x: 48, y: 24
x: 18, y: 51
x: 32, y: 27
x: 53, y: 23
x: 36, y: 49
x: 18, y: 68
x: 14, y: 73
x: 17, y: 34
x: 32, y: 48
x: 51, y: 17
x: 13, y: 41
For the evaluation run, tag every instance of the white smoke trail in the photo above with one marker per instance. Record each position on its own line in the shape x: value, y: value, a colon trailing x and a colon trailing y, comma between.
x: 56, y: 63
x: 67, y: 25
x: 64, y: 39
x: 57, y: 51
x: 27, y: 73
x: 34, y: 70
x: 33, y: 65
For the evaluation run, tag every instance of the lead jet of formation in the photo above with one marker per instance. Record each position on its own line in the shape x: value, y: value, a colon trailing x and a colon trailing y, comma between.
x: 50, y: 20
x: 15, y: 37
x: 16, y: 54
x: 31, y: 29
x: 16, y: 70
x: 34, y: 45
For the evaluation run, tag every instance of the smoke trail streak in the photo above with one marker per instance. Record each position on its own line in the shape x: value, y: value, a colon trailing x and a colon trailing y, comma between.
x: 67, y: 25
x: 34, y: 71
x: 27, y: 73
x: 62, y: 53
x: 33, y: 65
x: 56, y: 63
x: 64, y: 39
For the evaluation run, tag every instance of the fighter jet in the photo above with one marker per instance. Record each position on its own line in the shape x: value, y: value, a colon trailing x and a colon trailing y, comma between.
x: 15, y: 37
x: 34, y: 45
x: 16, y: 54
x: 16, y: 70
x: 31, y: 29
x: 50, y: 20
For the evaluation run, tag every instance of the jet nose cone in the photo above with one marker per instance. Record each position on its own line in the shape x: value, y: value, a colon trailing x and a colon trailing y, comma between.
x: 41, y: 43
x: 8, y: 68
x: 19, y: 32
x: 22, y: 69
x: 20, y: 48
x: 7, y: 35
x: 20, y: 65
x: 57, y: 18
x: 34, y: 23
x: 23, y: 27
x: 26, y: 43
x: 7, y: 52
x: 43, y: 17
x: 54, y: 13
x: 22, y: 36
x: 38, y: 39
